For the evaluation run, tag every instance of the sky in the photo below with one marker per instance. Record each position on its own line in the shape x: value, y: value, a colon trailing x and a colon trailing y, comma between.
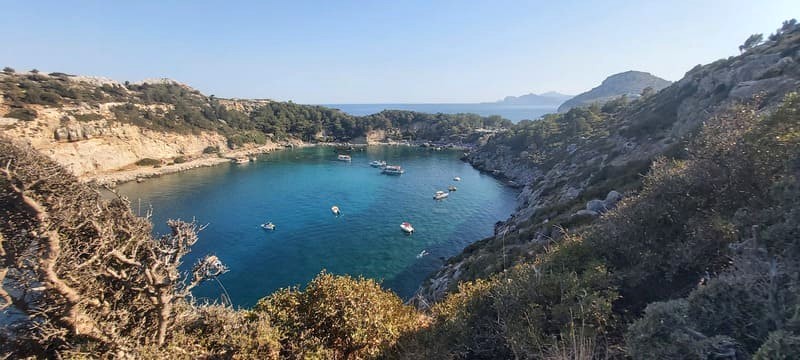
x: 426, y: 51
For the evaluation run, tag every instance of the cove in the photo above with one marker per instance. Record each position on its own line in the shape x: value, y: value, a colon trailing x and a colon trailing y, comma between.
x: 295, y: 189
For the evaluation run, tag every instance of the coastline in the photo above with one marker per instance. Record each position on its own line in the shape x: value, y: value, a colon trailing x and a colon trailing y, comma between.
x: 141, y: 173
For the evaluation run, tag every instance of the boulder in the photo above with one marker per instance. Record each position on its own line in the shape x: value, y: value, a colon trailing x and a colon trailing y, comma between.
x: 612, y: 199
x: 595, y: 205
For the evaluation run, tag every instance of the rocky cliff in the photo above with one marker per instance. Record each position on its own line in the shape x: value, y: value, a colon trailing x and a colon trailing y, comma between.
x: 94, y: 147
x: 575, y: 166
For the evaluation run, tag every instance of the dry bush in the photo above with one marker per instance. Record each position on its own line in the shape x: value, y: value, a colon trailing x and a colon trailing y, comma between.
x: 81, y: 272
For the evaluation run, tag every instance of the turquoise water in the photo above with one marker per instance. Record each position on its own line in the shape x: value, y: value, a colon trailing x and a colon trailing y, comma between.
x: 515, y: 113
x: 295, y: 190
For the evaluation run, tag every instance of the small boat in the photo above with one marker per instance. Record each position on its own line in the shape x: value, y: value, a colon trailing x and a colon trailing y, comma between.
x: 452, y: 188
x: 422, y: 253
x: 268, y: 226
x: 344, y: 158
x: 406, y: 227
x: 335, y: 210
x: 377, y: 163
x: 440, y: 195
x: 457, y: 178
x: 242, y: 160
x: 393, y: 170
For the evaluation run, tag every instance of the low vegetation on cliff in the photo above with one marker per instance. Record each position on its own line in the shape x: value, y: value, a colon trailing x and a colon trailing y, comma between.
x: 174, y: 107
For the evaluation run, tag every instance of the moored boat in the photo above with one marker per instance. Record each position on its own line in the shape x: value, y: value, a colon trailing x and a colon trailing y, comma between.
x: 452, y: 188
x: 393, y: 170
x: 335, y: 210
x: 343, y: 157
x: 457, y: 178
x: 406, y: 227
x: 377, y: 163
x: 268, y: 226
x: 422, y: 253
x: 440, y: 195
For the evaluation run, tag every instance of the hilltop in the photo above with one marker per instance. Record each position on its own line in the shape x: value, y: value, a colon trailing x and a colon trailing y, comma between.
x: 629, y: 83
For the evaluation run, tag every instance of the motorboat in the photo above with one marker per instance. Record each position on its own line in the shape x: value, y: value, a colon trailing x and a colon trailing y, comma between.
x: 456, y: 178
x: 452, y: 188
x: 406, y: 227
x: 422, y: 253
x: 440, y: 195
x: 343, y: 157
x: 377, y: 163
x: 335, y: 210
x: 393, y: 170
x: 268, y: 226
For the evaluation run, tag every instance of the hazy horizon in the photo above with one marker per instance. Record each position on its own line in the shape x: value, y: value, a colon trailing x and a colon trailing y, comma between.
x: 381, y: 53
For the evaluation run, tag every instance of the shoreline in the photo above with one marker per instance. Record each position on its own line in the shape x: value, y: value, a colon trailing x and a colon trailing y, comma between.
x: 142, y: 173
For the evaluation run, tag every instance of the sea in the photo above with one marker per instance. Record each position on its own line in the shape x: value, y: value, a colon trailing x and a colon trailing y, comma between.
x: 295, y: 189
x: 515, y: 113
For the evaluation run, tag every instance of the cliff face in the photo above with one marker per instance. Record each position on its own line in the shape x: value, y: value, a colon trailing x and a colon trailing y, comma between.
x: 583, y: 174
x: 630, y: 83
x: 93, y: 147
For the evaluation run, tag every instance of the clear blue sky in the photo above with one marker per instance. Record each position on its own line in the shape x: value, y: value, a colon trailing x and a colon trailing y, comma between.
x: 379, y: 51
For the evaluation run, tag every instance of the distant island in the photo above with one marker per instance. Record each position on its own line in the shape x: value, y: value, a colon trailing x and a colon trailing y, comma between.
x: 629, y: 83
x: 550, y: 98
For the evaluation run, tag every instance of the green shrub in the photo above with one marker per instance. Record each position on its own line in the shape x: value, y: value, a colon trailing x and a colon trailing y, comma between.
x: 340, y: 316
x: 22, y: 114
x: 179, y: 160
x: 88, y: 117
x: 780, y: 345
x: 211, y: 150
x: 148, y: 162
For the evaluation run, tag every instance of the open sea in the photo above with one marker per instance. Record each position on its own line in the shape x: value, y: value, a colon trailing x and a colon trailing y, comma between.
x: 514, y: 113
x: 295, y: 189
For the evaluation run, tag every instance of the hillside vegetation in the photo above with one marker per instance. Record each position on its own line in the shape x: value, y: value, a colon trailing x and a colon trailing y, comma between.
x: 693, y: 255
x: 170, y: 106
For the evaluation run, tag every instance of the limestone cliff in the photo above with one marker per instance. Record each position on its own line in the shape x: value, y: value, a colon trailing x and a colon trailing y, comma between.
x: 102, y: 145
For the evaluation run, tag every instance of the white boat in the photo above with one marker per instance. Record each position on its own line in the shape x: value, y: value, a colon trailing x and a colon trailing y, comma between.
x: 268, y: 226
x: 422, y: 253
x: 242, y: 160
x: 440, y: 195
x: 457, y: 178
x: 335, y: 210
x: 344, y: 158
x: 452, y: 188
x: 393, y: 170
x: 406, y: 227
x: 377, y: 163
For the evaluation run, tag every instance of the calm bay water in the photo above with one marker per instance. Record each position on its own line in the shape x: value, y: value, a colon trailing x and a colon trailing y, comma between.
x: 296, y: 188
x: 514, y: 113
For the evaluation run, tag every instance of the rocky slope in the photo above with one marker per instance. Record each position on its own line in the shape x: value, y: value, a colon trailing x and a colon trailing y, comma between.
x: 629, y: 83
x: 572, y: 176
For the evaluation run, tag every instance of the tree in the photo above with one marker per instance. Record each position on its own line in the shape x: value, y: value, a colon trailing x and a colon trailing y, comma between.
x: 35, y: 71
x: 751, y: 41
x: 8, y: 70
